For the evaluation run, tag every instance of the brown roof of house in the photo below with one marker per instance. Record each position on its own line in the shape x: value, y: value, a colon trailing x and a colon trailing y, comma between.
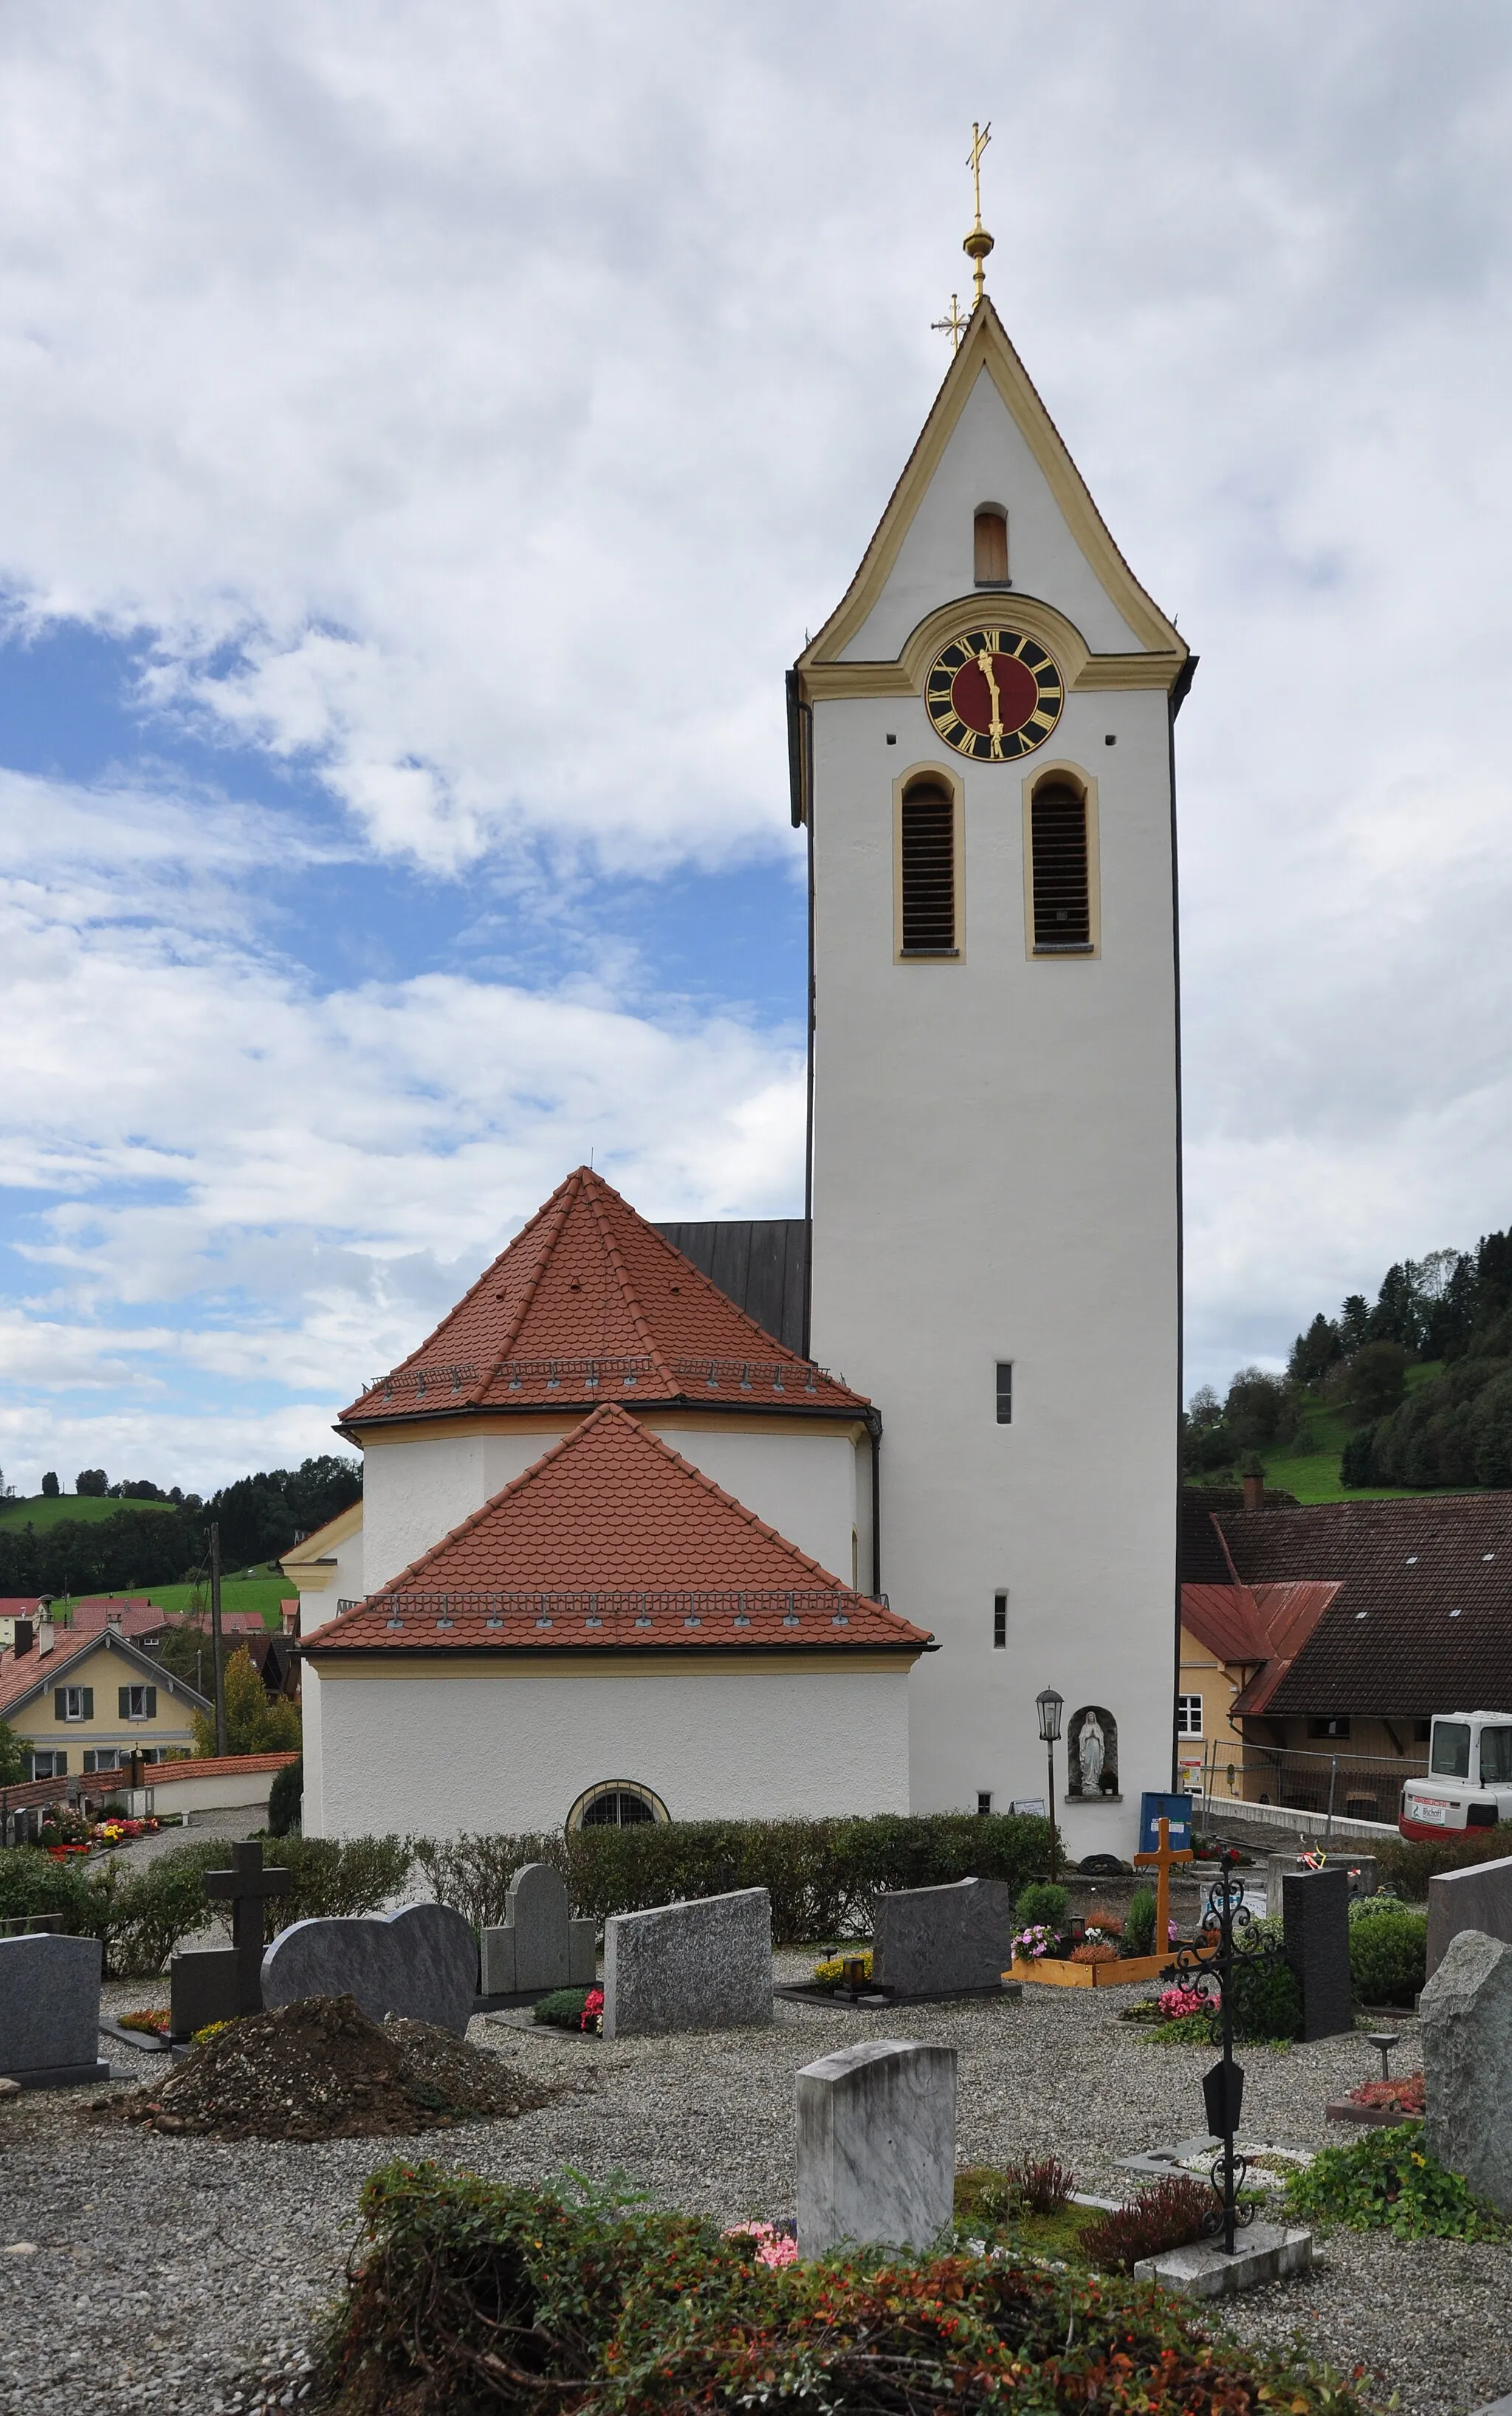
x: 1420, y: 1618
x: 611, y: 1540
x: 590, y: 1304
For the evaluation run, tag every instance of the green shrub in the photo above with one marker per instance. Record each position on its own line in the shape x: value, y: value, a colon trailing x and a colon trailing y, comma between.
x: 617, y: 2307
x: 1388, y: 1958
x: 823, y: 1877
x: 286, y: 1797
x: 159, y: 1904
x: 1139, y: 1922
x: 1388, y: 2181
x: 1407, y: 1864
x: 562, y: 2010
x: 32, y: 1882
x: 1040, y: 1902
x: 1267, y: 2002
x: 335, y: 1878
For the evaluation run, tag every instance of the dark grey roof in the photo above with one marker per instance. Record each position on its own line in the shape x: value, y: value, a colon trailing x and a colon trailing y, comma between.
x: 760, y: 1264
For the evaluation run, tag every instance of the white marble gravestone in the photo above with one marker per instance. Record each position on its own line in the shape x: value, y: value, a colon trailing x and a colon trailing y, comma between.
x: 50, y: 2010
x: 540, y: 1946
x: 876, y: 2146
x: 420, y: 1962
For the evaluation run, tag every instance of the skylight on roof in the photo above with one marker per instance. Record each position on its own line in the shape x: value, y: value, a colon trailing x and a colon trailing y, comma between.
x: 1454, y: 1614
x: 1411, y: 1558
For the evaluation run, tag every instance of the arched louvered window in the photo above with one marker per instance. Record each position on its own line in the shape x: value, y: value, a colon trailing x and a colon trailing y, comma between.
x: 928, y: 869
x: 990, y: 546
x: 1060, y: 870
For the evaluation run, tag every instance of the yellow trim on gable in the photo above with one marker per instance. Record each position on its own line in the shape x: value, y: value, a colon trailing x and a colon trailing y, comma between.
x: 599, y: 1665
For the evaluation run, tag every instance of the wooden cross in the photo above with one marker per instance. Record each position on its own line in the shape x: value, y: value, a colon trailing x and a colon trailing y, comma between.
x: 955, y: 326
x: 248, y: 1885
x: 1165, y: 1856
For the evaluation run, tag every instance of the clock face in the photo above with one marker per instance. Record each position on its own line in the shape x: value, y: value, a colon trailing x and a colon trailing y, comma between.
x: 994, y: 695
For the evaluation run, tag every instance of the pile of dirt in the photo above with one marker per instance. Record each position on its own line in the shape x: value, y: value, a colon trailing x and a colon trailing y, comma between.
x: 323, y: 2069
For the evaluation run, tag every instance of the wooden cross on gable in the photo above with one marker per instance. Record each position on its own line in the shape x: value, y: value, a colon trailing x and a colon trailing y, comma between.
x: 248, y: 1886
x: 1162, y: 1860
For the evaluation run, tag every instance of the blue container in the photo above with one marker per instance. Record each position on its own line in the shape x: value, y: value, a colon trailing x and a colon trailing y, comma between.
x: 1175, y: 1810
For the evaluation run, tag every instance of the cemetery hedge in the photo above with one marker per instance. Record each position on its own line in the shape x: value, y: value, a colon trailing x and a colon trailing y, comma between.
x: 468, y: 2295
x: 823, y: 1877
x: 1408, y: 1863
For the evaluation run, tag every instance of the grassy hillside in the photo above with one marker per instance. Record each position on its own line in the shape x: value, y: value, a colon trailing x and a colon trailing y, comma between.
x: 43, y: 1510
x: 1309, y: 1465
x: 262, y: 1595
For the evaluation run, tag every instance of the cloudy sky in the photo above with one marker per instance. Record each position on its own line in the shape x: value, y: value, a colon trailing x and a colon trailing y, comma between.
x: 426, y: 433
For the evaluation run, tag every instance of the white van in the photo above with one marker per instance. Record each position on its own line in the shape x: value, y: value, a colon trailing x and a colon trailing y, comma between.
x: 1469, y: 1784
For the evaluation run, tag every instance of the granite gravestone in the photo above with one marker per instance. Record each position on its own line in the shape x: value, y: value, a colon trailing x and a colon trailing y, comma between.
x: 50, y: 2010
x: 937, y: 1942
x: 1478, y: 1897
x: 876, y: 2146
x: 704, y: 1966
x: 540, y: 1946
x: 1467, y: 2063
x: 1315, y: 1931
x: 216, y: 1983
x: 420, y: 1962
x: 1360, y: 1870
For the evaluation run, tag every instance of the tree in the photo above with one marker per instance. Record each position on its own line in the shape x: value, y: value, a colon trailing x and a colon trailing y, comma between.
x: 15, y: 1758
x: 50, y: 1485
x: 254, y: 1723
x: 1376, y: 1381
x: 1354, y: 1317
x: 91, y: 1481
x: 1399, y: 1315
x: 1259, y: 1409
x: 1314, y: 1352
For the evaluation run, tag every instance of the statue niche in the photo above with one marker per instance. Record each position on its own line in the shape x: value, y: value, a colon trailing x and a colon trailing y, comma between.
x: 1091, y: 1752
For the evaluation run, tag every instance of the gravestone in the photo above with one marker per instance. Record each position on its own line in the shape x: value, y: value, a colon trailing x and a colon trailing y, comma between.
x: 420, y: 1962
x: 1467, y: 2063
x: 704, y: 1966
x: 50, y: 2010
x: 1360, y: 1869
x: 876, y: 2146
x: 540, y: 1946
x: 935, y: 1941
x: 216, y: 1983
x: 1478, y: 1897
x: 1315, y: 1932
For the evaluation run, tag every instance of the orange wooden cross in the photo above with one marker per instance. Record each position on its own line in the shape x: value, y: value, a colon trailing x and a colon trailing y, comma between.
x: 1162, y: 1860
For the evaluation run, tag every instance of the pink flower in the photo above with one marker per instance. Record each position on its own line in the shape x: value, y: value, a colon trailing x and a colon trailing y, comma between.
x: 1175, y: 2004
x: 773, y: 2247
x: 592, y: 2011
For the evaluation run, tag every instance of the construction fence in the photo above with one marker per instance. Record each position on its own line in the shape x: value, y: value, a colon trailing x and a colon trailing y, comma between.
x: 1348, y: 1786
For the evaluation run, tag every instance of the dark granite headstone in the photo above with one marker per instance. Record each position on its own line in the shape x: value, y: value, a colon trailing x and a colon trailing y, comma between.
x: 204, y: 1987
x: 1315, y: 1917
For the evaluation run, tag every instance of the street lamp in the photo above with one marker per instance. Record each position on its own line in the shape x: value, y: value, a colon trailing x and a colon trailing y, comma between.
x: 1050, y: 1706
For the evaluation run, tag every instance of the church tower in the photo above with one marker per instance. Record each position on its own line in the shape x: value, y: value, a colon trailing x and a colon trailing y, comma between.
x: 981, y: 752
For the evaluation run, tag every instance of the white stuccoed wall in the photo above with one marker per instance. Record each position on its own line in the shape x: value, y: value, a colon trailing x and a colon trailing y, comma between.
x: 995, y: 1177
x: 415, y: 1490
x: 502, y: 1748
x: 803, y: 1480
x: 345, y: 1583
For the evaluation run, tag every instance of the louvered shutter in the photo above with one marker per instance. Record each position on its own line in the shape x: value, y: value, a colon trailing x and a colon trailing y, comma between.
x: 152, y: 1703
x: 123, y: 1703
x: 60, y: 1702
x: 60, y: 1765
x: 88, y: 1693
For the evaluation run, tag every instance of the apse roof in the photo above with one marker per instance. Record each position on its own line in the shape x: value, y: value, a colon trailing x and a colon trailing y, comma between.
x: 591, y: 1303
x: 611, y: 1541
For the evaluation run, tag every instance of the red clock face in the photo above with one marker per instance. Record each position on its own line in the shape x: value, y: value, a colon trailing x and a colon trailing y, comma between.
x: 994, y: 695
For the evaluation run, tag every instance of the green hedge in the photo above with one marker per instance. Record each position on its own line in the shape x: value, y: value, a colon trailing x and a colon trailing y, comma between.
x: 1407, y: 1864
x: 823, y: 1877
x: 1388, y: 1958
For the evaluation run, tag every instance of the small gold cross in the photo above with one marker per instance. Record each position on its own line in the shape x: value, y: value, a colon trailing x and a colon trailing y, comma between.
x: 955, y: 326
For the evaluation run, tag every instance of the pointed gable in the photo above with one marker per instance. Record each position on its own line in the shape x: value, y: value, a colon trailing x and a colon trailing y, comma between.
x: 614, y: 1540
x: 989, y: 439
x: 589, y: 1302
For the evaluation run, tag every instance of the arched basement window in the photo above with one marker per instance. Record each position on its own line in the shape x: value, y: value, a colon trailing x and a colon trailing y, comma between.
x: 616, y: 1804
x: 989, y: 533
x: 927, y: 868
x: 1059, y: 881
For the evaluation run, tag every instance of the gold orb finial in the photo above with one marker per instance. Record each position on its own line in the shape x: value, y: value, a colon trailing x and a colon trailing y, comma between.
x: 978, y: 243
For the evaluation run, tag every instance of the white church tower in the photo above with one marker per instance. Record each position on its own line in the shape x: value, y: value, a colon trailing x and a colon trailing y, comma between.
x: 981, y: 740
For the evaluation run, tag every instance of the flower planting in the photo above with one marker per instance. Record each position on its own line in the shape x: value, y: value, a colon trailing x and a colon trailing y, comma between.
x: 774, y: 2246
x: 1405, y: 2096
x: 836, y: 1969
x: 466, y: 2293
x: 1169, y: 2214
x: 1388, y: 2181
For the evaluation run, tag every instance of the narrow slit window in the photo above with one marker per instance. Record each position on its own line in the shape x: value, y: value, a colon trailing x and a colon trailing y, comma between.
x: 1062, y: 890
x: 984, y: 1803
x: 1005, y: 1392
x: 989, y: 547
x: 929, y: 870
x: 1000, y: 1622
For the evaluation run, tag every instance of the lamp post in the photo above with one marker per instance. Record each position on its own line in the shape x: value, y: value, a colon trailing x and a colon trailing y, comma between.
x: 1050, y: 1706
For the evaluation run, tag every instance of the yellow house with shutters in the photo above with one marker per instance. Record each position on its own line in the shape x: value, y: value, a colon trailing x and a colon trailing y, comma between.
x: 85, y: 1703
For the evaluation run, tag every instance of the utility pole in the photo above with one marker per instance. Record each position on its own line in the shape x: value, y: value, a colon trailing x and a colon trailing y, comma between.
x: 215, y: 1642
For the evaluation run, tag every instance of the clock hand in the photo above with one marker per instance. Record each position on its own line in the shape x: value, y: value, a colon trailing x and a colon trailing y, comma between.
x: 984, y: 664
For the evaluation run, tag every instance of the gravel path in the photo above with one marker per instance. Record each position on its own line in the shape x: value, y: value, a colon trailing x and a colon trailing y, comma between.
x: 164, y: 2274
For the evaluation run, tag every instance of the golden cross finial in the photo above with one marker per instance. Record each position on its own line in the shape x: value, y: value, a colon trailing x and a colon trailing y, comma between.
x: 978, y: 243
x: 954, y: 327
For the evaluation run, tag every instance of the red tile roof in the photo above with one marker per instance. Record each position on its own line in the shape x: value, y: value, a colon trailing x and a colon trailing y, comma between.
x: 611, y: 1541
x: 1264, y: 1626
x: 231, y: 1765
x: 591, y: 1303
x: 138, y: 1619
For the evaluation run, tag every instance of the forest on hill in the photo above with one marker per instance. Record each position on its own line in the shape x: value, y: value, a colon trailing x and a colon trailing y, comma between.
x: 259, y: 1516
x: 1416, y: 1387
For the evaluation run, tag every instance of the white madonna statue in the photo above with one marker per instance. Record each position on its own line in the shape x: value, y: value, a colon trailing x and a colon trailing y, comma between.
x: 1090, y: 1751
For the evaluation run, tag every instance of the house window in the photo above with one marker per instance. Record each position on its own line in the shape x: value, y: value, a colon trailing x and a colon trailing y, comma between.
x: 928, y: 868
x: 50, y: 1765
x: 1324, y: 1730
x: 615, y: 1804
x: 1060, y: 870
x: 139, y: 1702
x: 1005, y: 1392
x: 1188, y: 1716
x: 73, y: 1702
x: 1000, y: 1622
x: 104, y: 1757
x: 990, y: 546
x: 984, y: 1803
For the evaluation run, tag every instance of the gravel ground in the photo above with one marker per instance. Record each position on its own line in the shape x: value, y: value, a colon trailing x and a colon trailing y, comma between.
x: 151, y: 2273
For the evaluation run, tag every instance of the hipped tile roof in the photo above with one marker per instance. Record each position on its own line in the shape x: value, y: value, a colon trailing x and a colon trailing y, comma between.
x: 613, y: 1541
x: 1420, y: 1618
x: 591, y: 1303
x: 1263, y: 1627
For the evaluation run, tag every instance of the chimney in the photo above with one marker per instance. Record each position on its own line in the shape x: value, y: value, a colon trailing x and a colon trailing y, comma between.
x: 44, y: 1635
x: 113, y: 1609
x: 1254, y: 1492
x: 24, y: 1637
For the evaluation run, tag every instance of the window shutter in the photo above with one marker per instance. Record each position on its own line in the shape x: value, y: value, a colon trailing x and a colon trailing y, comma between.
x: 60, y: 1765
x: 929, y: 870
x: 152, y: 1703
x: 1063, y: 906
x: 88, y: 1693
x: 123, y: 1703
x: 60, y: 1702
